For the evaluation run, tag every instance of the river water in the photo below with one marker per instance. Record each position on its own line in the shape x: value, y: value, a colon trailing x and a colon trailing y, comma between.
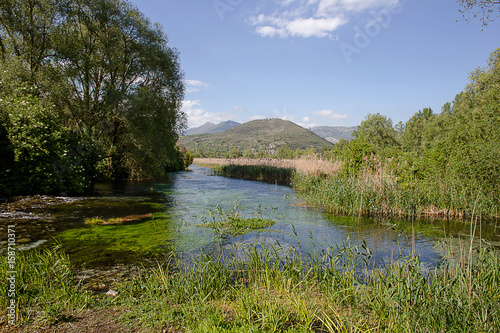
x: 162, y: 218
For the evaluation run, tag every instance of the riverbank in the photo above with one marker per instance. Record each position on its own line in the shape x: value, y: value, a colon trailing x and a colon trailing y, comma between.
x: 266, y: 292
x: 372, y: 192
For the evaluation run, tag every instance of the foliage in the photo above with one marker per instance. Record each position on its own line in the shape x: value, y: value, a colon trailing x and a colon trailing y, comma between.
x: 487, y: 9
x: 106, y: 78
x: 39, y: 154
x: 414, y: 130
x: 377, y: 130
x: 273, y: 289
x: 457, y: 150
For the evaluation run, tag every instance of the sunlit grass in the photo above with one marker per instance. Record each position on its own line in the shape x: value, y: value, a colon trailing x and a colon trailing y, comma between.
x: 333, y: 291
x: 232, y: 222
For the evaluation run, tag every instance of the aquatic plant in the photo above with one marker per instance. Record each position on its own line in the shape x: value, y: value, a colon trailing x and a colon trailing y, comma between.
x: 331, y: 291
x: 231, y: 222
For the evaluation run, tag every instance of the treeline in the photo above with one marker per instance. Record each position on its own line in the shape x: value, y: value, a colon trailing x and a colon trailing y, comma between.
x: 446, y: 162
x: 89, y: 90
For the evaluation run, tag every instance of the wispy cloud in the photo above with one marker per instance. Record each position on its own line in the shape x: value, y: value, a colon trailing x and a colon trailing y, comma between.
x: 329, y: 114
x: 195, y: 85
x: 309, y: 18
x: 257, y: 117
x: 197, y: 115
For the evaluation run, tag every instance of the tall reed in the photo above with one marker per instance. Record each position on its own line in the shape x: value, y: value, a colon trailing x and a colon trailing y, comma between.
x: 335, y: 291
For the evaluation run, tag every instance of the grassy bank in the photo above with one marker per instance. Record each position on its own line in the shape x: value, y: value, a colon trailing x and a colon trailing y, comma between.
x: 270, y: 292
x: 372, y: 192
x: 374, y: 195
x: 264, y: 173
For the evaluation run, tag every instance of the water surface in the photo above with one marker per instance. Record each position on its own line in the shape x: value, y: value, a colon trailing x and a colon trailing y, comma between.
x: 172, y: 212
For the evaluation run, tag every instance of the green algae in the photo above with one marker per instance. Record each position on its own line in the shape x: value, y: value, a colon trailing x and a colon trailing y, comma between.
x: 100, y: 245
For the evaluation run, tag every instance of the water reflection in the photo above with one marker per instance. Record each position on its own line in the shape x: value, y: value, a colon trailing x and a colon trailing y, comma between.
x: 176, y: 208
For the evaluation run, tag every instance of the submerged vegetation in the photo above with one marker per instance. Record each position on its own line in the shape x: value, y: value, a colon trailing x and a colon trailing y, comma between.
x: 232, y: 222
x: 106, y: 242
x: 333, y: 291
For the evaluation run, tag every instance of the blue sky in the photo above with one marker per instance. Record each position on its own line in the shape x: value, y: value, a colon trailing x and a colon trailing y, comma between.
x: 320, y: 62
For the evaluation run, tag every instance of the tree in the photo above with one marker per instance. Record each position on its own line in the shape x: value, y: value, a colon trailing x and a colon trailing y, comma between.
x: 126, y: 85
x: 467, y: 149
x: 109, y: 77
x: 377, y: 130
x: 37, y: 155
x: 285, y: 153
x: 355, y: 153
x: 487, y: 9
x: 234, y: 153
x: 248, y: 153
x: 414, y: 129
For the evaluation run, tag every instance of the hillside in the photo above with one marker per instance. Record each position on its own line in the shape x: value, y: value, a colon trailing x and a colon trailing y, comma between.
x: 259, y: 135
x: 334, y: 133
x: 211, y: 128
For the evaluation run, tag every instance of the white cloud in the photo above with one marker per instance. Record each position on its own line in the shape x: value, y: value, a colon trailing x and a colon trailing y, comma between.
x: 238, y: 108
x: 197, y: 115
x: 256, y: 117
x: 195, y: 85
x: 329, y: 114
x: 310, y: 18
x: 306, y: 119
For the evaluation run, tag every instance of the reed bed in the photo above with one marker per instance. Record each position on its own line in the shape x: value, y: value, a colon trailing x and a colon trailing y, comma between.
x: 336, y: 290
x: 306, y: 164
x: 374, y: 191
x: 384, y: 196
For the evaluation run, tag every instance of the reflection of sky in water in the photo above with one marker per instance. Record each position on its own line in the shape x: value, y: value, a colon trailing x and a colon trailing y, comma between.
x: 197, y: 192
x: 189, y: 196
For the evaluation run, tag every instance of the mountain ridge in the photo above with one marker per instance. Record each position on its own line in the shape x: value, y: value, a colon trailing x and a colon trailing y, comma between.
x: 334, y: 134
x: 258, y: 135
x: 212, y: 128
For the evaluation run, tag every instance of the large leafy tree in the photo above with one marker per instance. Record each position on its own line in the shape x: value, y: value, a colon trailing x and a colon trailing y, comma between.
x: 126, y: 85
x: 474, y: 139
x: 414, y: 130
x: 109, y: 77
x: 377, y: 130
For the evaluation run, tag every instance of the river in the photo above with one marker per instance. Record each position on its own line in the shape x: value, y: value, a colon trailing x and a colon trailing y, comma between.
x: 164, y: 218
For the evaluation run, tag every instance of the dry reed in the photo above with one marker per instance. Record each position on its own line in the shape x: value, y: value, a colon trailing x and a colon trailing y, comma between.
x: 307, y: 165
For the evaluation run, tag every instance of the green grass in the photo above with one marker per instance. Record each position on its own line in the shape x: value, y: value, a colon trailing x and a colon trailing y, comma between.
x: 45, y: 286
x: 263, y: 173
x: 381, y: 197
x: 232, y: 222
x: 330, y: 292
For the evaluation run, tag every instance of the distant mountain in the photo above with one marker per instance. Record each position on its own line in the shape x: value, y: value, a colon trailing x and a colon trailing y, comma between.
x: 223, y: 126
x: 211, y: 128
x: 266, y: 135
x: 334, y: 134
